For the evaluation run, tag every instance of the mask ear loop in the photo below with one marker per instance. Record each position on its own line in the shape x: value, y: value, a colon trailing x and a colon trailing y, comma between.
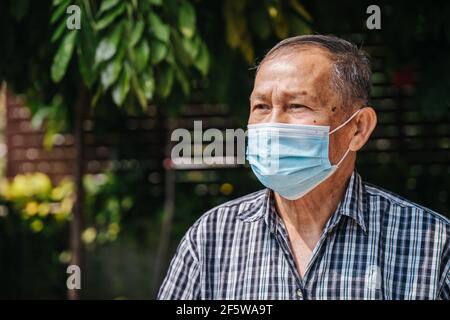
x: 346, y: 121
x: 343, y: 157
x: 336, y: 129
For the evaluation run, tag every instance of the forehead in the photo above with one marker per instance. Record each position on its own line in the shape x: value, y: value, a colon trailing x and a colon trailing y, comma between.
x: 297, y: 70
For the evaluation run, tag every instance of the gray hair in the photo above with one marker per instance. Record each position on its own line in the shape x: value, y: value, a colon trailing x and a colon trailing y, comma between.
x: 351, y: 75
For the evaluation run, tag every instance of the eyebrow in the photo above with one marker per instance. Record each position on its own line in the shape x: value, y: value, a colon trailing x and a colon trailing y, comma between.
x: 301, y: 93
x: 258, y: 97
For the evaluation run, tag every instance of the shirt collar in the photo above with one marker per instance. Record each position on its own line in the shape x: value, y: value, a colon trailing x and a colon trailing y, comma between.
x: 352, y: 206
x: 254, y: 208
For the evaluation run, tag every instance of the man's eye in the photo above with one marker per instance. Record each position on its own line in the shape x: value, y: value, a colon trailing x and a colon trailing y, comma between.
x: 261, y: 107
x: 296, y: 106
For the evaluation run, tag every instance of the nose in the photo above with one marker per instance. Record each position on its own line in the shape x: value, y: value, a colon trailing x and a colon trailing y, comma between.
x: 278, y: 114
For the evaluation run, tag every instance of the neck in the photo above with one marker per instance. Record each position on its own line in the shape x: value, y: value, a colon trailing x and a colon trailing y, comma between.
x: 309, y: 214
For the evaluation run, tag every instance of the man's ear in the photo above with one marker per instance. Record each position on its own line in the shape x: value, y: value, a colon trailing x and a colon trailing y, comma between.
x: 366, y: 120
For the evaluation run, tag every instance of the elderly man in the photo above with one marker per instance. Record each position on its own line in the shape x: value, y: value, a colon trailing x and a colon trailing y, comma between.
x: 318, y: 231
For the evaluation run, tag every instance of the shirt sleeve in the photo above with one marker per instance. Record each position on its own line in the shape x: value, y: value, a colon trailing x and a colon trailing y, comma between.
x: 444, y: 292
x: 181, y: 281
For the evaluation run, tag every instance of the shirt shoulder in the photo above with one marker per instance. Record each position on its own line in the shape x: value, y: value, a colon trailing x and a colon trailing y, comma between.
x: 224, y: 217
x: 393, y: 203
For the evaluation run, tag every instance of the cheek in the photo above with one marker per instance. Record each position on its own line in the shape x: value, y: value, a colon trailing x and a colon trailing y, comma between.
x: 308, y: 117
x: 257, y: 117
x: 332, y: 148
x: 337, y: 147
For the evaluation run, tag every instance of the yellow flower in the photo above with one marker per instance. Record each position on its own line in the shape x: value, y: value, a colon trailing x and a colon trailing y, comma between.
x: 31, y: 208
x: 37, y: 226
x: 66, y: 205
x: 40, y: 184
x: 57, y: 194
x: 273, y: 12
x: 89, y: 235
x: 19, y: 187
x: 64, y: 257
x: 113, y: 231
x: 43, y: 209
x: 59, y: 216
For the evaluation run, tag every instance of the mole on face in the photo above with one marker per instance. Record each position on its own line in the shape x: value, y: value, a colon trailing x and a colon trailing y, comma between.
x: 315, y: 121
x: 333, y: 109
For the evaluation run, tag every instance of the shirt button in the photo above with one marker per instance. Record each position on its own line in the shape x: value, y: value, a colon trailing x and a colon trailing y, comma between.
x: 300, y: 293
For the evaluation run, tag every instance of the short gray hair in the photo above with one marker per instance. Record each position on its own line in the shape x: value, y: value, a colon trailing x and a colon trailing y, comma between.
x: 351, y: 75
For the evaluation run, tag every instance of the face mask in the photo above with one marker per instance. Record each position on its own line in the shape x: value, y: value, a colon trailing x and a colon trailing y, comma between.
x: 291, y: 159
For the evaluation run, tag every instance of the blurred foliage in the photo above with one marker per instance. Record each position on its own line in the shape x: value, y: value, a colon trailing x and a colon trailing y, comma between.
x: 42, y: 206
x: 34, y: 216
x: 105, y: 206
x: 131, y: 50
x: 129, y: 53
x: 247, y: 19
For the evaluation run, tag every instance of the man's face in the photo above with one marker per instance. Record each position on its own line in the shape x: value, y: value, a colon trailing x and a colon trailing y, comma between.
x: 295, y: 88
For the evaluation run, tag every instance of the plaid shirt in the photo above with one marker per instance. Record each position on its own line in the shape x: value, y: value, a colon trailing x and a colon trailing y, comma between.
x: 376, y: 245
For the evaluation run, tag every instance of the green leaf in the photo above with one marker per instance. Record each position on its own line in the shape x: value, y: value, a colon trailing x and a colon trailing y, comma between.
x: 177, y: 49
x: 148, y: 83
x: 122, y: 87
x: 63, y: 55
x: 158, y: 28
x: 97, y: 95
x: 155, y: 2
x: 170, y: 57
x: 192, y: 45
x: 158, y: 51
x: 202, y: 60
x: 39, y: 117
x: 106, y: 5
x: 86, y: 53
x: 108, y: 46
x: 57, y: 2
x: 186, y: 19
x: 59, y: 11
x: 110, y: 73
x: 164, y: 81
x: 138, y: 91
x: 137, y: 33
x: 110, y: 17
x: 183, y: 80
x: 142, y: 54
x: 59, y: 32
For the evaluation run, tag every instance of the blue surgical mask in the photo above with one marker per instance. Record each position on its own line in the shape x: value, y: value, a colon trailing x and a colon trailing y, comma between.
x: 291, y: 159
